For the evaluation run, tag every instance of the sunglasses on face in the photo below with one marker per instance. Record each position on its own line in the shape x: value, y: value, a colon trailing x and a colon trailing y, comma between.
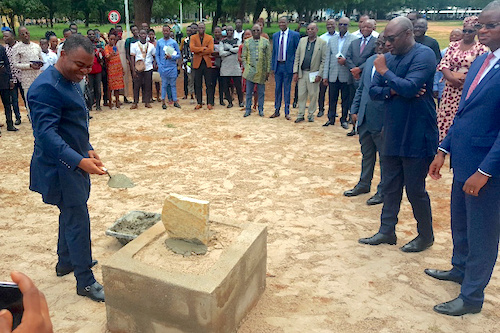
x: 343, y: 24
x: 391, y: 39
x: 255, y: 30
x: 488, y: 26
x: 468, y: 31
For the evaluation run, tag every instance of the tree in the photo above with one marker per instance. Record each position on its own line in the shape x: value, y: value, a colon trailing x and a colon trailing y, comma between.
x: 142, y: 11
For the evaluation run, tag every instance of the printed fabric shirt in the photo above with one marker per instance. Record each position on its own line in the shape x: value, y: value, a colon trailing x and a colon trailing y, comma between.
x: 16, y: 72
x: 23, y: 55
x: 256, y: 57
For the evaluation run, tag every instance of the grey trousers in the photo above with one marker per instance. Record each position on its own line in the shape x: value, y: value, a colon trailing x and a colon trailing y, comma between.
x: 307, y: 89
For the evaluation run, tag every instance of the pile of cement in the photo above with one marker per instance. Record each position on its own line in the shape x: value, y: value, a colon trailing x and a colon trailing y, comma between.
x: 132, y: 225
x: 186, y: 247
x: 120, y: 181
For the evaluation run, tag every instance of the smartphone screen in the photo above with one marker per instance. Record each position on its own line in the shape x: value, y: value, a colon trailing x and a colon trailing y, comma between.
x: 11, y: 299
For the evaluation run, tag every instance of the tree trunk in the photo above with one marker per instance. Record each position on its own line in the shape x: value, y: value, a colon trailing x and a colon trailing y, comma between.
x: 51, y: 17
x: 242, y: 10
x: 259, y: 7
x: 87, y: 17
x: 218, y: 14
x: 142, y: 11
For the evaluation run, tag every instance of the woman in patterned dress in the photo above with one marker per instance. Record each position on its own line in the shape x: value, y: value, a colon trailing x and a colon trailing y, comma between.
x: 454, y: 66
x: 114, y: 68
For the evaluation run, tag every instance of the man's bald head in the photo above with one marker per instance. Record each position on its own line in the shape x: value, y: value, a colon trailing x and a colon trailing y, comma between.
x: 399, y: 35
x: 401, y: 22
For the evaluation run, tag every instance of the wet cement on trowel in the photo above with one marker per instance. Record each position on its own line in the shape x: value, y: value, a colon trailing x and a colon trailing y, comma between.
x: 120, y: 181
x: 186, y: 247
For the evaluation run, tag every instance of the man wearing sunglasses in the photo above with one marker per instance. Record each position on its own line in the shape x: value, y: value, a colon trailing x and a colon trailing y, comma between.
x: 473, y: 142
x: 410, y: 134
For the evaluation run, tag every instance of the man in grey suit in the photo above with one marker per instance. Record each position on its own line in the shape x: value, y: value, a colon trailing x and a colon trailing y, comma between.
x: 336, y: 74
x: 309, y: 58
x: 369, y: 115
x: 359, y: 51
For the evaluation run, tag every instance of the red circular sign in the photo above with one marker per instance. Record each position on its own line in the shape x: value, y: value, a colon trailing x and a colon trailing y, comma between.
x: 114, y: 17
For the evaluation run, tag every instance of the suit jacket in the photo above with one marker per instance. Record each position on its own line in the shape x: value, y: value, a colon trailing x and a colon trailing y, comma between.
x: 292, y: 43
x: 318, y: 56
x: 354, y: 58
x: 410, y: 126
x: 333, y: 70
x: 5, y: 73
x: 60, y: 127
x: 473, y: 140
x: 197, y: 48
x: 370, y: 112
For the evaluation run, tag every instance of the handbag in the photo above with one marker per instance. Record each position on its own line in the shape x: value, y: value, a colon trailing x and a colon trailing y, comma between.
x: 140, y: 65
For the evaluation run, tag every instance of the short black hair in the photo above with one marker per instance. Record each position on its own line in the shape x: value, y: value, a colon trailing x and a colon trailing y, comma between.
x: 196, y: 24
x: 49, y: 33
x: 75, y: 41
x: 132, y: 26
x: 90, y: 31
x: 73, y: 23
x: 151, y: 30
x: 66, y: 30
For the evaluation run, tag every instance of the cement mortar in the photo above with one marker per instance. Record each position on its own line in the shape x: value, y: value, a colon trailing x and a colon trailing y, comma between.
x: 186, y: 247
x: 120, y: 181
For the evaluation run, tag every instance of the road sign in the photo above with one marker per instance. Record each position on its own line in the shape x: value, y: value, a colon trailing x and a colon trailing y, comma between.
x: 114, y: 17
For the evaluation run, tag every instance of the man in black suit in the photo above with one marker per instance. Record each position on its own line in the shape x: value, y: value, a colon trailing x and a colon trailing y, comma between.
x: 357, y: 54
x: 368, y: 114
x: 6, y: 84
x: 419, y: 29
x: 410, y: 132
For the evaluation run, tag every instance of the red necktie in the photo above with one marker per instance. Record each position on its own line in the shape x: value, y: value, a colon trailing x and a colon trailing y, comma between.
x: 280, y: 55
x: 485, y: 65
x: 363, y: 44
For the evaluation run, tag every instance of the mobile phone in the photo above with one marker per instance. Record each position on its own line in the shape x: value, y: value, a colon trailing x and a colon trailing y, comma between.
x: 11, y: 299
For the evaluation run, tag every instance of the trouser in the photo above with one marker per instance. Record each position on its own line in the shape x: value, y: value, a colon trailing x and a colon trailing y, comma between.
x: 73, y: 246
x: 345, y: 91
x: 14, y: 94
x: 261, y: 88
x: 143, y: 80
x: 321, y: 97
x: 475, y: 228
x: 127, y: 77
x: 95, y: 89
x: 237, y: 83
x: 307, y: 89
x: 296, y: 94
x: 283, y: 87
x: 186, y: 83
x: 5, y: 95
x: 371, y: 143
x: 167, y: 83
x: 204, y: 72
x: 104, y: 82
x: 217, y: 81
x: 409, y: 172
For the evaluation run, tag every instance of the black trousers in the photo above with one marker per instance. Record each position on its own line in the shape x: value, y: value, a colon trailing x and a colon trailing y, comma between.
x: 186, y: 82
x: 207, y: 73
x: 321, y: 98
x: 371, y: 143
x: 345, y: 92
x: 144, y: 81
x: 95, y: 89
x: 226, y: 81
x: 5, y: 95
x: 104, y: 80
x: 217, y: 79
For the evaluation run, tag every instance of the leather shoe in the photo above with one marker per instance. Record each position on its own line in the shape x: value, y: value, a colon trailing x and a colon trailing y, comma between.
x: 275, y: 115
x: 298, y: 120
x: 418, y: 244
x: 12, y: 128
x: 246, y: 114
x: 95, y: 292
x: 375, y: 200
x: 456, y: 307
x: 197, y: 107
x: 357, y: 190
x: 65, y: 271
x: 176, y: 104
x: 352, y: 133
x: 443, y: 275
x: 287, y: 117
x: 328, y: 123
x: 344, y: 125
x: 18, y: 121
x: 378, y: 239
x: 230, y: 105
x: 210, y: 106
x: 294, y: 105
x: 321, y: 113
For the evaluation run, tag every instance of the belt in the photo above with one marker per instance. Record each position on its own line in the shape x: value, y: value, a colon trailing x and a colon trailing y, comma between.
x: 281, y: 62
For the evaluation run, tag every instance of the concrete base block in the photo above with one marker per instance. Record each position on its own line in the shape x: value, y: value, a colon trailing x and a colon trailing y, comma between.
x: 144, y: 298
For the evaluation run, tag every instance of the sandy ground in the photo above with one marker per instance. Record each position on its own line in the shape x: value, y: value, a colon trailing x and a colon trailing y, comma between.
x: 288, y: 176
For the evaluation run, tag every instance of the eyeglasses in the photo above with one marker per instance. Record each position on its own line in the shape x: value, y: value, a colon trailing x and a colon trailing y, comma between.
x: 488, y: 26
x: 468, y: 31
x: 344, y: 24
x: 391, y: 39
x: 255, y: 30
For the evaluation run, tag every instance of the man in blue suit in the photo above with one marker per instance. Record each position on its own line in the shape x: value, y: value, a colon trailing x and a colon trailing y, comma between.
x: 367, y: 115
x: 63, y: 158
x: 473, y: 143
x: 410, y: 134
x: 285, y: 44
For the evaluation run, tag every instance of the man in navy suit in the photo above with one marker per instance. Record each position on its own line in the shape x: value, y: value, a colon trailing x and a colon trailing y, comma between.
x: 473, y: 143
x: 63, y: 158
x: 410, y: 134
x: 285, y: 44
x: 368, y: 114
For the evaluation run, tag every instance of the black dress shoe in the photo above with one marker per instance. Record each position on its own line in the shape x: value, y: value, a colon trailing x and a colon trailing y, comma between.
x: 176, y: 104
x: 298, y: 120
x: 60, y: 271
x: 164, y: 106
x: 230, y: 105
x: 12, y: 128
x: 378, y: 239
x: 418, y: 244
x: 275, y: 115
x: 18, y: 122
x: 357, y: 190
x: 344, y: 125
x: 443, y: 275
x: 456, y: 307
x: 321, y: 113
x: 328, y: 123
x: 95, y: 292
x: 294, y: 105
x: 375, y: 200
x: 352, y: 133
x: 222, y: 103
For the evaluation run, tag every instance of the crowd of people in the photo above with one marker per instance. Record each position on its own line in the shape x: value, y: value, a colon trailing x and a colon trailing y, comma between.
x: 387, y: 84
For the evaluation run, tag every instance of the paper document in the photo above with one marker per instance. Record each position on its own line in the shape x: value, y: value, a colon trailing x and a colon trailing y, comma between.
x: 312, y: 76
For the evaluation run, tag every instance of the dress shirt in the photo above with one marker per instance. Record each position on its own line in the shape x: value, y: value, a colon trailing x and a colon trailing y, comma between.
x: 359, y: 34
x: 341, y: 42
x: 284, y: 35
x: 239, y: 36
x: 49, y: 59
x: 327, y: 36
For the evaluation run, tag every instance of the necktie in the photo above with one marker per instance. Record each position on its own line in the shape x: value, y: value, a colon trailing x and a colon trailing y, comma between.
x: 282, y: 40
x: 485, y: 65
x: 363, y: 44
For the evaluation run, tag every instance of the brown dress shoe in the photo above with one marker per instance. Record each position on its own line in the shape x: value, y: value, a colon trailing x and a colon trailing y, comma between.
x: 134, y: 106
x: 210, y: 107
x: 197, y: 107
x: 148, y: 105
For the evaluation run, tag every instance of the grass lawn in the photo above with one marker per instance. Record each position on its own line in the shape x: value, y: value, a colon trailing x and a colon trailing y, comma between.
x: 437, y: 29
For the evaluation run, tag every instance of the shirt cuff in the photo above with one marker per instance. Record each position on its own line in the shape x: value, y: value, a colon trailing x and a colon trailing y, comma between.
x: 443, y: 150
x: 484, y: 173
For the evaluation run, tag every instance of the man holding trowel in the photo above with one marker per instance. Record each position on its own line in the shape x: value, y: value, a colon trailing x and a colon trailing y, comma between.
x: 63, y: 158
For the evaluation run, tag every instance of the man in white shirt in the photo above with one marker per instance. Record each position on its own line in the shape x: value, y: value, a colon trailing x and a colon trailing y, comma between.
x: 142, y: 55
x: 363, y: 19
x: 238, y: 31
x: 49, y: 57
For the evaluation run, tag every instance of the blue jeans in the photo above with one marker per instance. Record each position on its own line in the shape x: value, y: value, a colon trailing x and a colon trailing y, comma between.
x: 166, y: 82
x: 283, y: 83
x: 261, y: 88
